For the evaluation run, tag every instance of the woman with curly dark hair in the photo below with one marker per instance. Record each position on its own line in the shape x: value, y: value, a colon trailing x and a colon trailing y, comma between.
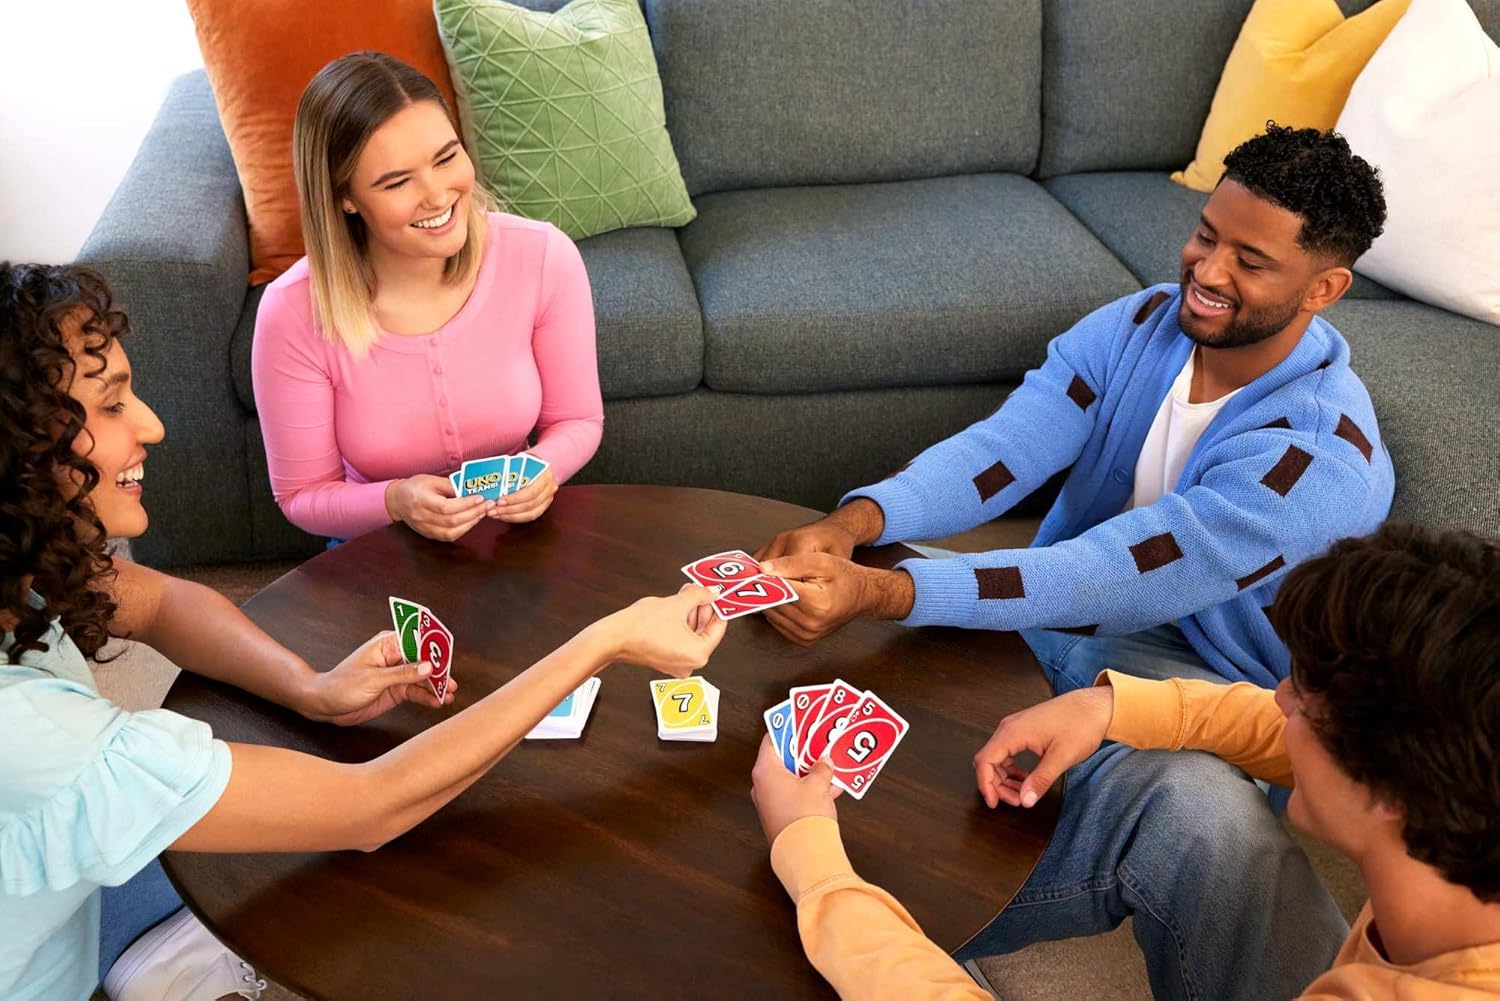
x: 90, y: 794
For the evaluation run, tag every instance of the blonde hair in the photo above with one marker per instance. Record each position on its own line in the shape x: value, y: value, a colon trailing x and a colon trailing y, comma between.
x: 342, y: 106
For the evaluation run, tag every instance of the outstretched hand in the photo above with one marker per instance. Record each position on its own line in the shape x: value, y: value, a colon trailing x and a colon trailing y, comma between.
x: 675, y: 635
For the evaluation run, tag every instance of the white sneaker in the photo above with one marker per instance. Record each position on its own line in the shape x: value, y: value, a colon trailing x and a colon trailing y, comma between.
x: 179, y: 960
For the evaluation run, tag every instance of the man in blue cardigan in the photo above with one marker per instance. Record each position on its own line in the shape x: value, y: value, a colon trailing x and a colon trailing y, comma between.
x: 1216, y: 437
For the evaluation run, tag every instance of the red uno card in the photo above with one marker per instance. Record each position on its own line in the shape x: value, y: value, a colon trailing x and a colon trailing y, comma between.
x: 723, y: 569
x: 807, y: 706
x: 840, y: 702
x: 435, y: 645
x: 754, y: 595
x: 860, y: 750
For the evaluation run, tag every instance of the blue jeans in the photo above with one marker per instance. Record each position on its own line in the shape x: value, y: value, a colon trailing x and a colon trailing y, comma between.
x: 131, y: 909
x: 1225, y: 905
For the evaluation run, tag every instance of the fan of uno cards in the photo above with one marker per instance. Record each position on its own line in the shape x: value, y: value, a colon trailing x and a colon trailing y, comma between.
x: 855, y: 730
x: 423, y: 637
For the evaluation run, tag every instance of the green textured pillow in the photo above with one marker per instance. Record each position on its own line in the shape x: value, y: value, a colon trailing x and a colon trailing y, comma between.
x: 564, y: 112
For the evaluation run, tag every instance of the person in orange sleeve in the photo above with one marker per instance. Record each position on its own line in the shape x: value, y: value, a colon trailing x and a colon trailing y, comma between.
x: 1388, y: 732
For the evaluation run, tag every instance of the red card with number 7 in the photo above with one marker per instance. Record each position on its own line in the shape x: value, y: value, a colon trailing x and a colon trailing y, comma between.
x: 864, y: 745
x: 754, y: 595
x: 435, y: 645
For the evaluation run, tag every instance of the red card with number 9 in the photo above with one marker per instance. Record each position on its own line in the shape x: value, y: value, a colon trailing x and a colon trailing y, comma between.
x: 864, y: 745
x: 435, y: 645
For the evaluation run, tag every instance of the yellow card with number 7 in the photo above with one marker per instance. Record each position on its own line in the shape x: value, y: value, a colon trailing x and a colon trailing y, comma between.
x: 682, y: 703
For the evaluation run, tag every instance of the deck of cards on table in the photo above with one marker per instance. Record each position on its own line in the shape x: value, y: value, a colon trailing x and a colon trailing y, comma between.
x: 686, y: 709
x: 855, y: 730
x: 424, y: 637
x: 496, y: 476
x: 566, y: 721
x: 746, y: 590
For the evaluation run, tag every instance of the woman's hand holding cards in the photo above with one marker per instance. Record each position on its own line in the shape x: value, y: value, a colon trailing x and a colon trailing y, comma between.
x: 668, y: 634
x: 1063, y: 731
x: 528, y: 503
x: 426, y: 503
x: 370, y: 681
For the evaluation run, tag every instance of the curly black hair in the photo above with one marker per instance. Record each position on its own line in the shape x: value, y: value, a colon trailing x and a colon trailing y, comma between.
x: 52, y: 540
x: 1396, y: 640
x: 1315, y: 175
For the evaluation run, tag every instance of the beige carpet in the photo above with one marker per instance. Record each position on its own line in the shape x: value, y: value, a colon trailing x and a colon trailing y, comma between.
x: 1101, y: 968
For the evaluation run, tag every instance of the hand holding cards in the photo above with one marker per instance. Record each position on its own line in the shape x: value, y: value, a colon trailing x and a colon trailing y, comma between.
x: 496, y: 476
x: 856, y: 731
x: 746, y: 590
x: 423, y: 637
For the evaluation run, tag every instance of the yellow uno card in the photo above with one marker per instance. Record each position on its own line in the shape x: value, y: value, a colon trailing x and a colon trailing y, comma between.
x: 681, y: 704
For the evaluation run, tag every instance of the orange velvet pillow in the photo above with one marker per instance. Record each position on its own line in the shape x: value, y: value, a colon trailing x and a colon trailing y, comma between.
x: 259, y: 57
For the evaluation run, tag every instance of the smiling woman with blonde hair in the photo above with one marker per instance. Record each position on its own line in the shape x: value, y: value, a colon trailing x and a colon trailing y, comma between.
x: 422, y: 329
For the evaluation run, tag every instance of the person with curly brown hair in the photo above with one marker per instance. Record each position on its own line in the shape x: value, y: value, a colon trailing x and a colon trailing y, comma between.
x: 90, y: 794
x: 1387, y: 731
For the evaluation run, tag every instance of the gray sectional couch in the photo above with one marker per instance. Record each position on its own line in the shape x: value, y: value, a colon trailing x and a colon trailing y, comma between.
x: 899, y: 203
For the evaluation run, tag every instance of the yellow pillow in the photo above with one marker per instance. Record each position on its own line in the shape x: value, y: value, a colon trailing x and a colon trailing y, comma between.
x: 1293, y: 63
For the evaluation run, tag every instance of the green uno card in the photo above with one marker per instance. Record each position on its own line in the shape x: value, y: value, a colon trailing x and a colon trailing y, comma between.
x: 405, y: 616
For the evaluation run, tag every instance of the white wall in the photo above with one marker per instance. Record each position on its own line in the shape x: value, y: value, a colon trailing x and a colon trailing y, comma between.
x: 80, y: 82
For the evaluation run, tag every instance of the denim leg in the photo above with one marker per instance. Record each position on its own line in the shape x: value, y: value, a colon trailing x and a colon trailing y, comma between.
x: 1070, y: 661
x: 1225, y: 904
x: 131, y: 909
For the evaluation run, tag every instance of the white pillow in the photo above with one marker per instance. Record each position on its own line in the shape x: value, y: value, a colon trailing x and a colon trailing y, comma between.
x: 1426, y: 111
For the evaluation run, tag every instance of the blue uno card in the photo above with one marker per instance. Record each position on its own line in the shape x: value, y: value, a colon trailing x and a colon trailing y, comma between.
x: 456, y: 478
x: 779, y: 726
x: 565, y: 707
x: 529, y: 466
x: 485, y: 477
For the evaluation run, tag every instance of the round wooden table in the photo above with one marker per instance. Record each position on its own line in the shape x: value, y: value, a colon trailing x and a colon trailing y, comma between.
x: 615, y: 865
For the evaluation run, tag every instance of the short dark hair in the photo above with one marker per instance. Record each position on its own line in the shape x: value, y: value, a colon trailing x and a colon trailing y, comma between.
x: 1315, y: 175
x: 1395, y: 639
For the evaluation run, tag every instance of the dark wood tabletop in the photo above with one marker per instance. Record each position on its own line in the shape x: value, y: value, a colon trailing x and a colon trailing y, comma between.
x: 616, y: 865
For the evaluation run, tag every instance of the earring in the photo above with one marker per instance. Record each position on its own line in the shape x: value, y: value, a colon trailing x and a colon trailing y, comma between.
x: 350, y: 210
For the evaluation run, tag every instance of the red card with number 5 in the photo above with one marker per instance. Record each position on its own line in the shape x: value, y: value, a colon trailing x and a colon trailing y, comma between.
x: 435, y: 645
x: 864, y: 745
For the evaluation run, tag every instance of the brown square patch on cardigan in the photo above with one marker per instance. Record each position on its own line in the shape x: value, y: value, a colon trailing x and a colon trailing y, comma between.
x: 1000, y: 582
x: 1350, y: 432
x: 1080, y: 393
x: 1288, y: 470
x: 1155, y: 552
x: 1076, y: 630
x: 993, y: 480
x: 1149, y: 306
x: 1280, y: 422
x: 1251, y: 579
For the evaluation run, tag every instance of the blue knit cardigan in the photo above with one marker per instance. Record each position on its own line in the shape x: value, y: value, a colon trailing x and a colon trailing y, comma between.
x: 1293, y: 462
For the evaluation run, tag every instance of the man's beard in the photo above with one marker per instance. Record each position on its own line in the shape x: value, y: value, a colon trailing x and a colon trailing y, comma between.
x: 1248, y: 327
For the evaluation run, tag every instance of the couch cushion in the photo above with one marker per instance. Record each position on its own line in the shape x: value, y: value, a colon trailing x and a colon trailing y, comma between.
x: 947, y: 280
x: 1432, y: 376
x: 762, y: 93
x: 1144, y: 218
x: 650, y: 331
x: 1127, y: 86
x: 650, y: 334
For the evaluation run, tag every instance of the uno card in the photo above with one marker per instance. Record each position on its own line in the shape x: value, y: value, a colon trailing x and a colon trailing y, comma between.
x: 435, y: 644
x: 807, y: 703
x: 529, y: 466
x: 682, y: 703
x: 838, y: 706
x: 779, y: 725
x: 485, y: 477
x: 404, y: 616
x: 722, y: 569
x: 864, y: 745
x: 456, y: 478
x: 512, y: 481
x: 564, y: 709
x: 754, y: 595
